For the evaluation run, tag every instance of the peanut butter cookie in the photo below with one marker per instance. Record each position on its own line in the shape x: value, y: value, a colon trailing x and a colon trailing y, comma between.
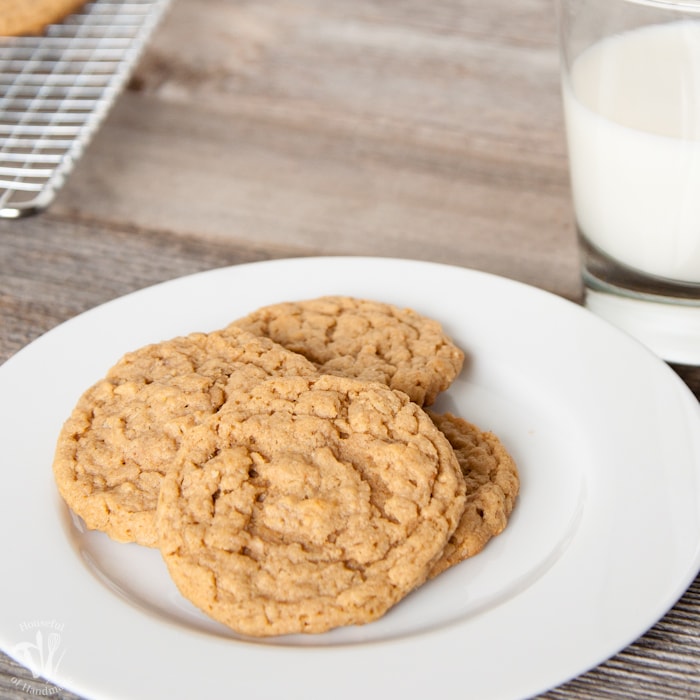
x: 364, y: 339
x: 124, y: 432
x: 305, y: 503
x: 32, y: 16
x: 492, y: 485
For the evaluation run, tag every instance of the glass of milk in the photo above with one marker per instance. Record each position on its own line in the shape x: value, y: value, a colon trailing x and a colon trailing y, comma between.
x: 631, y: 93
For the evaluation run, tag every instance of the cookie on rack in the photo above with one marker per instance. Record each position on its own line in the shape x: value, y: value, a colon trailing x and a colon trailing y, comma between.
x: 123, y: 434
x: 305, y: 504
x: 21, y: 17
x: 492, y: 486
x: 364, y: 339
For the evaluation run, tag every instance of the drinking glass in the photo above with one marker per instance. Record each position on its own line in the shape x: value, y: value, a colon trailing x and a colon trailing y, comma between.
x: 631, y: 94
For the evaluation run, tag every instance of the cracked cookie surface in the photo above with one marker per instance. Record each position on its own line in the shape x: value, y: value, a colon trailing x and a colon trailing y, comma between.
x: 308, y: 503
x: 365, y: 339
x: 124, y: 432
x: 492, y: 485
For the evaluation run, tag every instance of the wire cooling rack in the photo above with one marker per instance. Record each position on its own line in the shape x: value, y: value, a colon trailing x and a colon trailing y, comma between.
x: 56, y: 88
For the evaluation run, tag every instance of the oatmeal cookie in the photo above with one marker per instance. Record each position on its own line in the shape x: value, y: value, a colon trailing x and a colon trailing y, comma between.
x: 125, y: 430
x: 492, y: 485
x: 364, y: 339
x: 19, y: 17
x: 304, y: 504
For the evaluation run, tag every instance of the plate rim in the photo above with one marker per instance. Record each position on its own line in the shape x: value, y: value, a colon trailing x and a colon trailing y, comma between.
x: 567, y: 307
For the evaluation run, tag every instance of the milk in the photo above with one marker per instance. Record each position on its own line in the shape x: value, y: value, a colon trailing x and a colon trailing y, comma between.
x: 632, y: 105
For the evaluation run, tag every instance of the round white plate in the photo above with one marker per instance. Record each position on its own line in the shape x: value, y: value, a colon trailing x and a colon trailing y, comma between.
x: 604, y: 538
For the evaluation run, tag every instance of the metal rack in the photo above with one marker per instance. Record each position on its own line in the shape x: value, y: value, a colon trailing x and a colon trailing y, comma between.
x: 55, y: 90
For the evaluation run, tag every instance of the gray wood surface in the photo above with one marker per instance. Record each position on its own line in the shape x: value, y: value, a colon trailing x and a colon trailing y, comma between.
x: 256, y: 130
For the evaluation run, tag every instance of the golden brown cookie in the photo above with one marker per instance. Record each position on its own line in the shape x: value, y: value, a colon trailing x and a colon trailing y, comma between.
x: 492, y: 485
x: 19, y: 17
x: 124, y: 432
x: 304, y: 504
x: 365, y: 339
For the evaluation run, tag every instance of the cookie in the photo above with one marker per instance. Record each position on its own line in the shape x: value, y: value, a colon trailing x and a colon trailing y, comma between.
x: 125, y: 430
x: 492, y: 485
x: 304, y: 504
x: 364, y: 339
x: 19, y: 17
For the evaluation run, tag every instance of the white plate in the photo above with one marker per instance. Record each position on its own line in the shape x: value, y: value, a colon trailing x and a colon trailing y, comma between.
x: 604, y: 538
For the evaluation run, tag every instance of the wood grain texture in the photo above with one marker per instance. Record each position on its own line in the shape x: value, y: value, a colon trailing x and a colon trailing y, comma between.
x: 51, y: 270
x: 256, y: 130
x: 420, y: 130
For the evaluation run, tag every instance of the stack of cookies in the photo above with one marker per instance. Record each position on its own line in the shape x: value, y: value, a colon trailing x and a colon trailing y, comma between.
x: 287, y: 466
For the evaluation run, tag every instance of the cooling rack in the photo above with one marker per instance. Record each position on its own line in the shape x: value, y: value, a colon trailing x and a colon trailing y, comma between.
x: 55, y: 89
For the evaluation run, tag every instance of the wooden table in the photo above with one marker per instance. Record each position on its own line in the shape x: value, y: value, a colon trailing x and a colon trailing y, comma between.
x: 275, y: 129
